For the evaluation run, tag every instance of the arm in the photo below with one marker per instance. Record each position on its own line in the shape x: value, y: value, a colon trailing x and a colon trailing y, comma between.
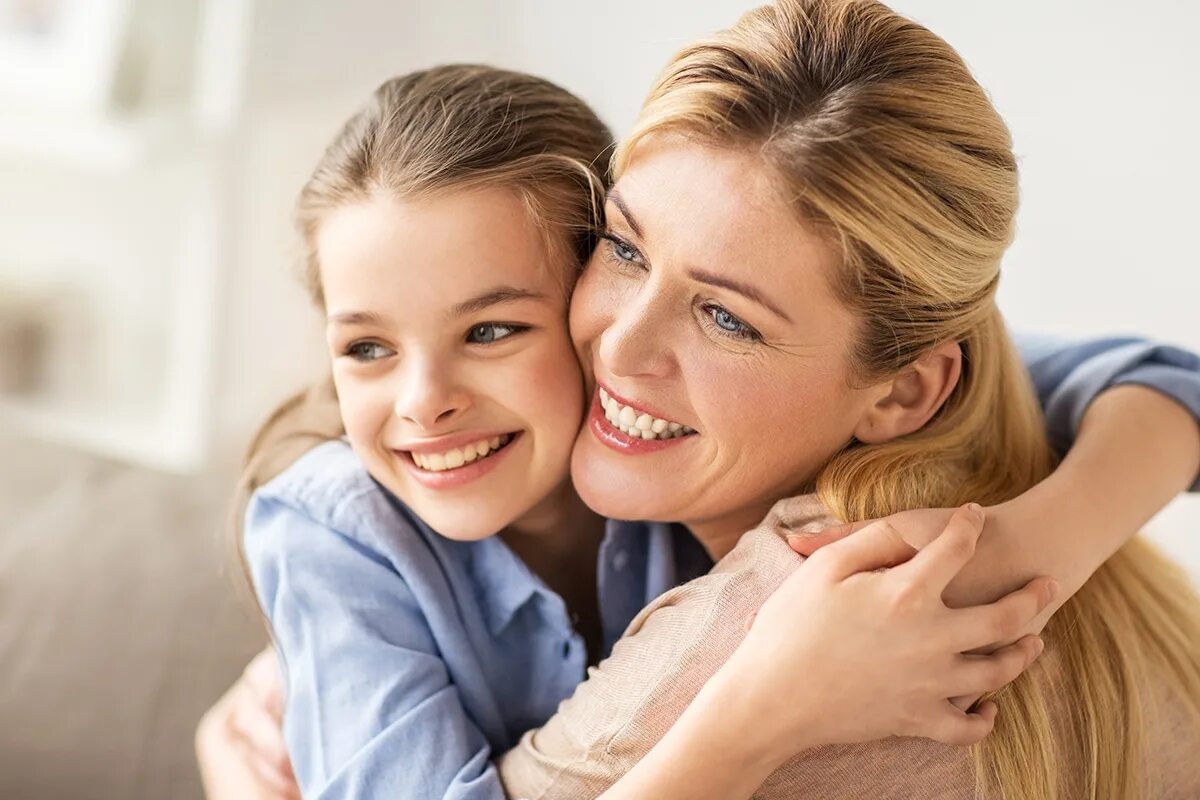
x: 371, y: 709
x: 1128, y: 411
x: 690, y: 706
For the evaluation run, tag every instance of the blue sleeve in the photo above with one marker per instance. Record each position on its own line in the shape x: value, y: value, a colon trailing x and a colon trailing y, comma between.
x: 371, y: 711
x: 1068, y: 376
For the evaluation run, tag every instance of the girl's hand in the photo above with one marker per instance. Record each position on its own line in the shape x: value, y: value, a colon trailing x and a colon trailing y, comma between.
x: 1004, y: 559
x: 855, y: 648
x: 239, y: 742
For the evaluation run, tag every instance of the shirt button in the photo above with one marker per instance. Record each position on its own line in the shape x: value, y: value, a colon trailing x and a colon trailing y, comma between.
x: 620, y: 559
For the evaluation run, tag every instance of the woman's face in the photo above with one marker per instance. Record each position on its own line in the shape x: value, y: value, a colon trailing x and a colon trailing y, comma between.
x: 719, y: 351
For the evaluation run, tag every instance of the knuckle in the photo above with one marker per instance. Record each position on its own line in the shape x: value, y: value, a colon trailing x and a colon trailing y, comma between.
x: 961, y: 546
x: 1008, y: 621
x: 996, y: 674
x: 905, y: 596
x: 827, y: 561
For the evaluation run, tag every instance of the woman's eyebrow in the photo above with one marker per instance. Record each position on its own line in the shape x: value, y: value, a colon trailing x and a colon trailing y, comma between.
x: 744, y: 289
x: 492, y: 297
x: 619, y: 202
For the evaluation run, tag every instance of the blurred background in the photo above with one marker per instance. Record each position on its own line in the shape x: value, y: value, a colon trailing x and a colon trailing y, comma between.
x: 151, y: 313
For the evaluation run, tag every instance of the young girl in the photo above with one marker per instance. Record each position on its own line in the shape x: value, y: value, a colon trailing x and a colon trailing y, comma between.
x: 430, y: 582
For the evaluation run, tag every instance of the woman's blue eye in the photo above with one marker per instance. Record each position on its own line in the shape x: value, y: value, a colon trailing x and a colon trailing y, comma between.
x: 491, y: 332
x: 367, y: 351
x: 623, y: 250
x: 731, y: 324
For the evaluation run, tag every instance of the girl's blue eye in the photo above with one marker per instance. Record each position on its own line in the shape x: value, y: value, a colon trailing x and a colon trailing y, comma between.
x: 490, y: 332
x: 366, y: 352
x: 730, y: 324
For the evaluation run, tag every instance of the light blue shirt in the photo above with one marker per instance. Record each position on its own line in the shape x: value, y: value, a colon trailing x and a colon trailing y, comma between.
x: 410, y: 659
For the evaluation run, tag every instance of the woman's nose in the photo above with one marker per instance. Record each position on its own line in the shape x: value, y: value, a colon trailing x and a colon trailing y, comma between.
x: 636, y: 342
x: 429, y: 397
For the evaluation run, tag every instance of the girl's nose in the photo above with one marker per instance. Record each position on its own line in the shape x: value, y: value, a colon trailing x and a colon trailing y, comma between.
x: 430, y: 397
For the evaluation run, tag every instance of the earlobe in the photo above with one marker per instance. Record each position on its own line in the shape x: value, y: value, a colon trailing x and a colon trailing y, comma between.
x: 908, y: 401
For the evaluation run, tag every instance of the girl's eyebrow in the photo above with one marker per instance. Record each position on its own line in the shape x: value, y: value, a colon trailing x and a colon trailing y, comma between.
x: 494, y: 296
x: 356, y: 318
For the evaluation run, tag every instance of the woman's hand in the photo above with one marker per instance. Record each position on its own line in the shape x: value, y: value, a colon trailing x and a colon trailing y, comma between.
x: 862, y: 649
x: 239, y: 742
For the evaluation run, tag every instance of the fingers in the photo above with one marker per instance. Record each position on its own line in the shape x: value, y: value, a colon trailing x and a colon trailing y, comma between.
x: 808, y: 543
x: 876, y: 546
x: 936, y: 565
x: 262, y: 677
x: 961, y: 728
x: 976, y: 675
x: 262, y: 736
x: 1003, y: 620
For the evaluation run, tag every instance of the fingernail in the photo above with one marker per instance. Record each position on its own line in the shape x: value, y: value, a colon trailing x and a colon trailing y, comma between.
x: 1051, y: 590
x: 1039, y: 645
x: 975, y: 510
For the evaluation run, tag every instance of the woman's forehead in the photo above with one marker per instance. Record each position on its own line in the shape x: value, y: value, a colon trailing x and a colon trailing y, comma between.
x: 717, y: 208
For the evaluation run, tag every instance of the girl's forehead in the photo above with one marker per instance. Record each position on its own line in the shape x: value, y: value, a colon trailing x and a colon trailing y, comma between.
x: 430, y: 255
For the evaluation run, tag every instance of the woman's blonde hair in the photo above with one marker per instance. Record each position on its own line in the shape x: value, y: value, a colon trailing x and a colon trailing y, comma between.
x: 447, y: 128
x: 890, y: 147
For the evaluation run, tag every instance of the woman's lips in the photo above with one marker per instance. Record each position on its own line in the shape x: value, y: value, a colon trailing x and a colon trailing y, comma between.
x: 603, y: 430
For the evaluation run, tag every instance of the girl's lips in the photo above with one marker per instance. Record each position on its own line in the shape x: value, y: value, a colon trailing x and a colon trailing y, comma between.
x: 623, y: 443
x: 460, y: 476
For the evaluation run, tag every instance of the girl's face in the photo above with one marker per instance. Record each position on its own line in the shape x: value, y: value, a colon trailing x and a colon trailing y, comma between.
x: 457, y: 382
x: 706, y: 315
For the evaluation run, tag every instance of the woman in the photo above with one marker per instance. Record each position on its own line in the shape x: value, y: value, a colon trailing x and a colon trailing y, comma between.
x: 863, y: 190
x: 650, y: 356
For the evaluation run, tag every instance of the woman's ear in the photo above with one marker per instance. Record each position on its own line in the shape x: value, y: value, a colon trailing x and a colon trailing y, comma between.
x: 908, y: 401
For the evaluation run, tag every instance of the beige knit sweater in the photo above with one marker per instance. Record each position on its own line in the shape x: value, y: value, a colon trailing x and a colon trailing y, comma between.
x: 677, y: 642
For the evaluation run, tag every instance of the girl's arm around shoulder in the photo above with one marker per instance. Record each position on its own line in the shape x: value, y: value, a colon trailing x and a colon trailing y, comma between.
x: 690, y: 706
x: 370, y: 707
x: 1069, y: 376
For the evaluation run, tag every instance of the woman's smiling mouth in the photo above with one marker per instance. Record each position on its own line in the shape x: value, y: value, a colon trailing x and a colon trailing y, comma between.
x: 632, y: 430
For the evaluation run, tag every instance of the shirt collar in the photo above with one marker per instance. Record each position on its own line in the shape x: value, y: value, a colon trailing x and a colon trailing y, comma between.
x: 503, y: 581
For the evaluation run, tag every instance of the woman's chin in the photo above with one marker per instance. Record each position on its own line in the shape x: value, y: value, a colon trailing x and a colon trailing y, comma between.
x: 613, y: 491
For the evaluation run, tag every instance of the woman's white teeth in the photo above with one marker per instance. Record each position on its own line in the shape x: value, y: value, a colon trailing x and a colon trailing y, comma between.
x: 637, y: 424
x: 453, y: 459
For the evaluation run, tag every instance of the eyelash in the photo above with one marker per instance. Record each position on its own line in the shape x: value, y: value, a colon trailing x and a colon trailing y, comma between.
x: 613, y: 243
x: 355, y: 349
x: 743, y: 332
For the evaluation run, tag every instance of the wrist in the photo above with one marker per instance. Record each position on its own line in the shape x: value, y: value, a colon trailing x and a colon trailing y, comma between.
x: 761, y: 732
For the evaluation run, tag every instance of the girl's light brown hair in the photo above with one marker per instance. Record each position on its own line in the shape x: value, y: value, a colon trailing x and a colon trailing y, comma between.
x: 437, y: 130
x: 876, y: 129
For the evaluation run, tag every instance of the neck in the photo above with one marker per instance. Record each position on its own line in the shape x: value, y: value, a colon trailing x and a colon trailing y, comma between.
x: 559, y: 536
x: 719, y: 535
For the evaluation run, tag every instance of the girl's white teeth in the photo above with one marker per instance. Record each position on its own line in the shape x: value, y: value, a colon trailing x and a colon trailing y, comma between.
x: 453, y: 459
x: 637, y: 424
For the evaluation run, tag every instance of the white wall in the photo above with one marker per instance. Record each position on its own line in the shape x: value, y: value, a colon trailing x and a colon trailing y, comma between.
x: 1101, y: 97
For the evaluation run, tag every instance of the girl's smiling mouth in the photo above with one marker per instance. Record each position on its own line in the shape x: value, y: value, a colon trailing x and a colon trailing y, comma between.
x: 454, y: 461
